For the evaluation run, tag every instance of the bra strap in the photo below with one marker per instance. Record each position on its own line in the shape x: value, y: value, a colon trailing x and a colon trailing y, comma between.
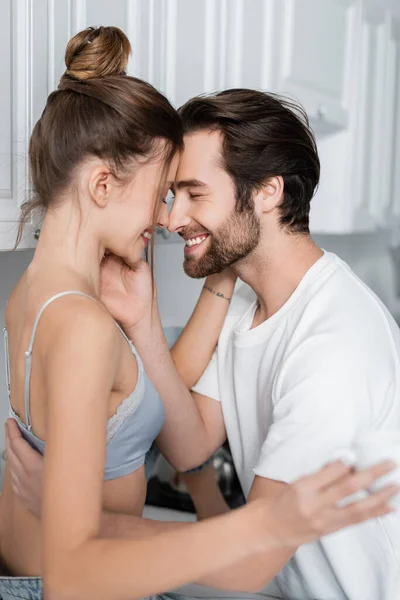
x: 135, y: 352
x: 28, y: 353
x: 7, y: 357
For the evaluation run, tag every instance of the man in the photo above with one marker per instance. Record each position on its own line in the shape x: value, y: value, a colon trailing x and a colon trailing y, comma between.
x: 308, y: 358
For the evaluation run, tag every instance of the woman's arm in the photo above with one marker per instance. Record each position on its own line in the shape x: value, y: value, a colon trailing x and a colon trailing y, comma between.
x: 301, y: 512
x: 193, y: 350
x: 194, y: 427
x: 80, y: 366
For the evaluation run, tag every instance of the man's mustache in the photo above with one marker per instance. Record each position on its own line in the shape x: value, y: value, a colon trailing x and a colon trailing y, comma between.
x: 192, y: 233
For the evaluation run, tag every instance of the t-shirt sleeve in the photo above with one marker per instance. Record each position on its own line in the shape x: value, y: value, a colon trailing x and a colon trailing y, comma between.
x: 208, y: 384
x: 321, y: 404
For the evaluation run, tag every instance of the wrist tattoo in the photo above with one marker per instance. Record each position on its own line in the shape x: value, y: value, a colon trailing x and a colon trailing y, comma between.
x: 218, y: 294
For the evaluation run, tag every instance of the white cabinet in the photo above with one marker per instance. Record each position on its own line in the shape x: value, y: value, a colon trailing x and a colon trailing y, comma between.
x: 190, y: 47
x: 15, y: 116
x: 314, y: 54
x: 300, y: 47
x: 358, y: 176
x: 368, y: 153
x: 33, y: 37
x: 389, y: 210
x: 339, y: 58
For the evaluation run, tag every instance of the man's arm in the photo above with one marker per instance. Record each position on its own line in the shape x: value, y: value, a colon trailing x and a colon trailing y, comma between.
x: 27, y: 470
x: 205, y: 492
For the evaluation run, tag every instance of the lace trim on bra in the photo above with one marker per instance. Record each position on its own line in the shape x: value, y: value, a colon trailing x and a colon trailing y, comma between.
x: 128, y: 406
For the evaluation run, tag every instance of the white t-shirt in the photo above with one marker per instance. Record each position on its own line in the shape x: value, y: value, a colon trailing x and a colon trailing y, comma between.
x: 295, y: 392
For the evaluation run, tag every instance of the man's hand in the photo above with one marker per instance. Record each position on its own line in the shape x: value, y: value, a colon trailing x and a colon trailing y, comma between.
x: 127, y: 292
x: 26, y: 466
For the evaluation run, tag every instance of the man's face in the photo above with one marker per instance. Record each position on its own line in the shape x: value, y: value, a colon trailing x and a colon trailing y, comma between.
x: 204, y: 210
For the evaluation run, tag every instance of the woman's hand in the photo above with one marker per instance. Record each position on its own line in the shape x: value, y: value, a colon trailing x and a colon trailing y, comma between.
x: 312, y: 506
x: 127, y: 292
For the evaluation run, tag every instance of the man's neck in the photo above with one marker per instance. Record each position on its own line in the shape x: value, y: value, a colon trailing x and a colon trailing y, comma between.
x: 275, y: 270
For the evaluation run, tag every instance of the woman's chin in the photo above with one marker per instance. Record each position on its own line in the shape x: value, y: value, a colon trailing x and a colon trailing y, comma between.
x: 133, y: 258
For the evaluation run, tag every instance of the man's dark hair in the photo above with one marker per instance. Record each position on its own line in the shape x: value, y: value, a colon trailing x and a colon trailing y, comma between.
x: 264, y: 135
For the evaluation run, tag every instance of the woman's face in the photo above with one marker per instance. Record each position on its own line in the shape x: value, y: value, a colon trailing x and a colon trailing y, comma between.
x: 132, y: 209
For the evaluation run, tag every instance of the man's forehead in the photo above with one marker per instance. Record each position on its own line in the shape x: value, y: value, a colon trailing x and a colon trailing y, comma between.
x: 200, y: 156
x: 202, y: 141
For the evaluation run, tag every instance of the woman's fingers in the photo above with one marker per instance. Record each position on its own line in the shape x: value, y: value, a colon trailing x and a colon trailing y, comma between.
x: 355, y: 482
x: 329, y: 475
x: 375, y: 505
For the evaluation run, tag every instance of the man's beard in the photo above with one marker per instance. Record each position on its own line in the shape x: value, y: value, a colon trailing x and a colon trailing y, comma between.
x: 231, y: 242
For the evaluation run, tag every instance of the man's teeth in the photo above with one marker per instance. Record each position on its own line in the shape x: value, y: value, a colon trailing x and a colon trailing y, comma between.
x: 195, y: 241
x: 147, y: 235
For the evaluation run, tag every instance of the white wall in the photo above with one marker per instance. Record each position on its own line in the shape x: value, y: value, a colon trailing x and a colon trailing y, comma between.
x: 366, y: 253
x: 12, y: 265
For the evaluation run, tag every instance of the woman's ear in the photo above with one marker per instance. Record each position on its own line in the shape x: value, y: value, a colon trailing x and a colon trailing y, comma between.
x: 100, y: 185
x: 270, y: 195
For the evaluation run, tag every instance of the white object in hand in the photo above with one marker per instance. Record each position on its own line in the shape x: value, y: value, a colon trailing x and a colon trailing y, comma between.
x: 373, y: 448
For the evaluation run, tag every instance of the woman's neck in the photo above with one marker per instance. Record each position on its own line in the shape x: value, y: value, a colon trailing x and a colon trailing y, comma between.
x: 66, y: 242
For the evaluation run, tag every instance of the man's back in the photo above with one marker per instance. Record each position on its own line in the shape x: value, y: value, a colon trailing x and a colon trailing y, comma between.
x: 296, y: 391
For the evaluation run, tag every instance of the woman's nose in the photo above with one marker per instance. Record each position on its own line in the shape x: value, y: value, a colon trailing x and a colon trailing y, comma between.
x: 163, y: 218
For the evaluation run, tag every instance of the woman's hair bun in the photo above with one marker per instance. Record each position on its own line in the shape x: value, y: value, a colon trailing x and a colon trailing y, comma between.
x: 97, y: 52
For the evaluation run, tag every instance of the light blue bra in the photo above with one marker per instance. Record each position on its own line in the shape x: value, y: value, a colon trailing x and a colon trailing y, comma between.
x: 130, y: 431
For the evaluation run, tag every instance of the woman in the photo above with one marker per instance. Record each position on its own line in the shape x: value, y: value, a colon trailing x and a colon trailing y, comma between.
x: 103, y: 155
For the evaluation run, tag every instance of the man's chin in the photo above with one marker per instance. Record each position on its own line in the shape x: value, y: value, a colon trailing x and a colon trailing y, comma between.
x: 192, y: 272
x: 195, y: 269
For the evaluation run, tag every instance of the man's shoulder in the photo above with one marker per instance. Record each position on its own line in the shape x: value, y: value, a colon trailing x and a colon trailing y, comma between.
x: 343, y: 303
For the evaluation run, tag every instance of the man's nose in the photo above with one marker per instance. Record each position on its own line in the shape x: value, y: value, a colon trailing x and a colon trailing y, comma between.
x: 178, y: 218
x: 163, y: 217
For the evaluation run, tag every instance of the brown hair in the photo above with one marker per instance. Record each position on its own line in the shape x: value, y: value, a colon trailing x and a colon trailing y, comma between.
x: 263, y: 136
x: 97, y: 110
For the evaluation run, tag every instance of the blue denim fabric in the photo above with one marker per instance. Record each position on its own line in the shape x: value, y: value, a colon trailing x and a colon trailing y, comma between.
x: 30, y: 588
x: 21, y: 588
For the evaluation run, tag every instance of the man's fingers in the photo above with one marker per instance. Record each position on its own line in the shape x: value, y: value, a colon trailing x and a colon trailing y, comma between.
x: 12, y: 458
x: 18, y: 447
x: 15, y: 465
x: 12, y: 429
x: 17, y: 489
x: 356, y: 482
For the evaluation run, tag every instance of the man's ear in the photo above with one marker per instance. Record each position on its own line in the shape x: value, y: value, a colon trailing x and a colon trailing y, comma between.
x: 270, y: 195
x: 100, y: 183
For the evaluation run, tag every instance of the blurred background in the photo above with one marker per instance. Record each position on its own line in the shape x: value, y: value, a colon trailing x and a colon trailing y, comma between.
x: 340, y: 58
